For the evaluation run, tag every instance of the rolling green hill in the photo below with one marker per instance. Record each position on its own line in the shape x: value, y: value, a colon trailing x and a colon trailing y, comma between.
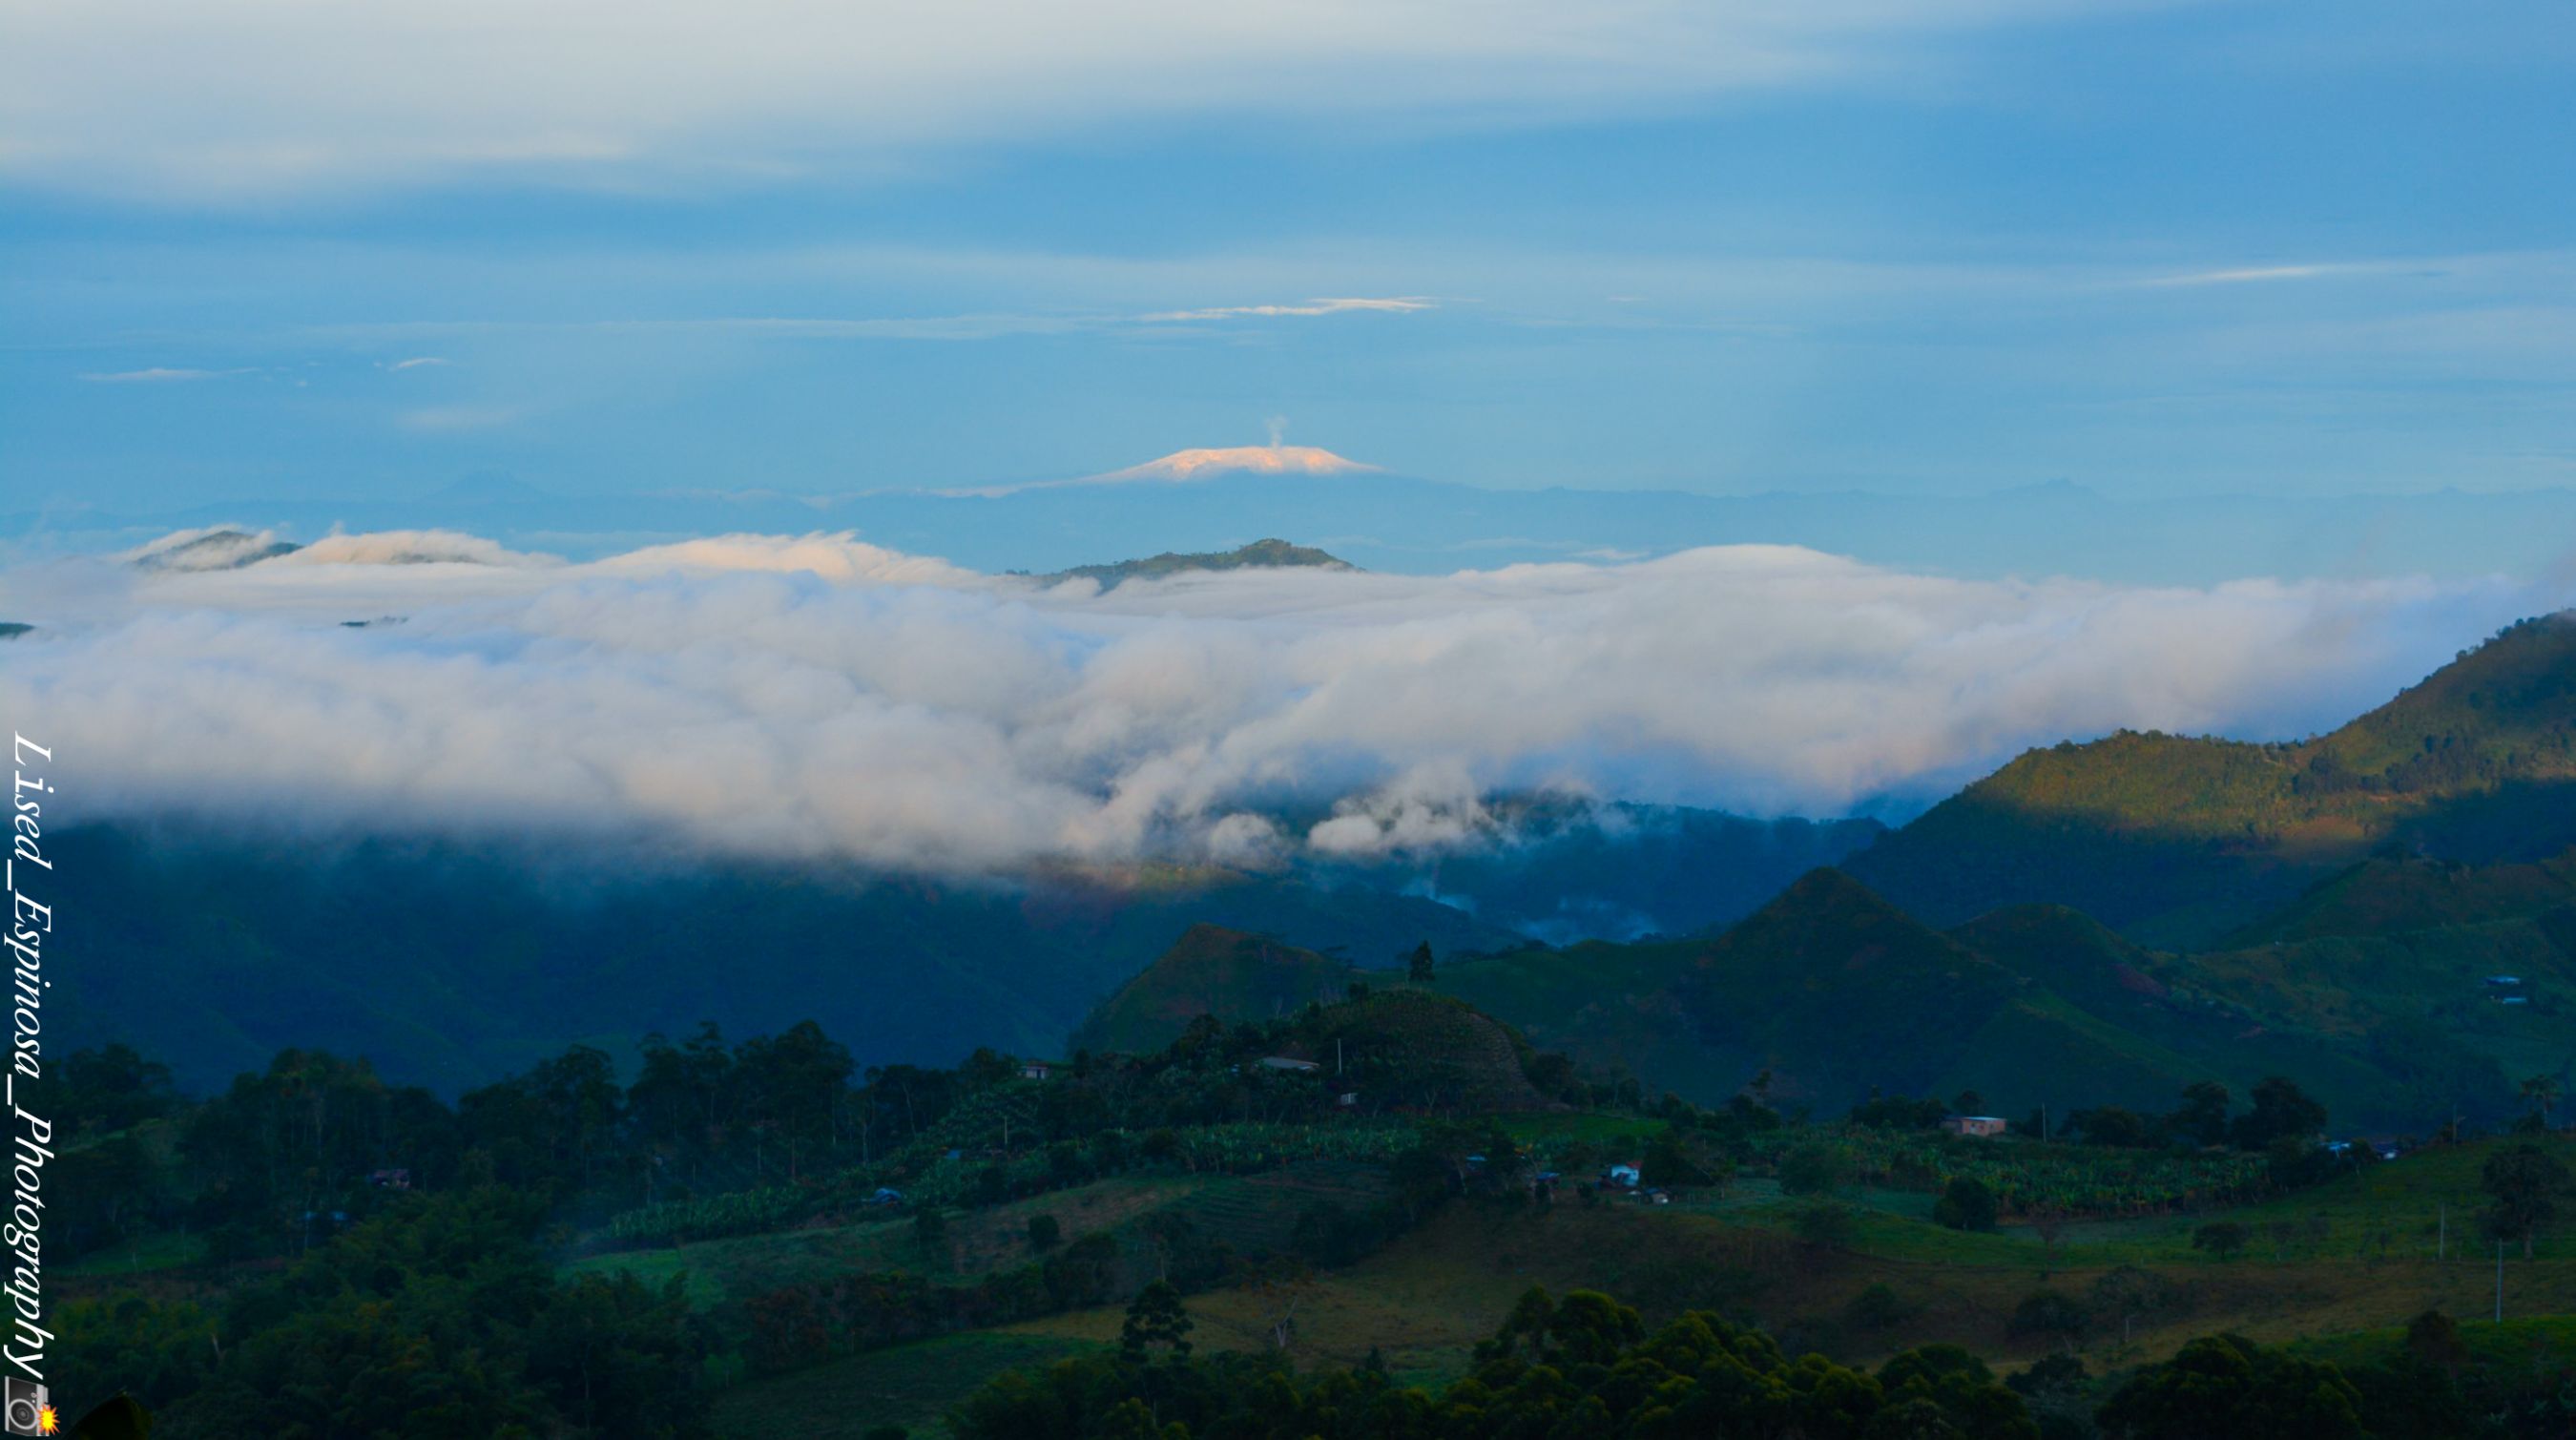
x: 1838, y: 993
x: 1211, y: 971
x: 2179, y: 841
x: 1403, y: 1045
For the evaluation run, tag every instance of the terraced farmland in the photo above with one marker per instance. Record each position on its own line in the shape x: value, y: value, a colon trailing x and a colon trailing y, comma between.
x: 1257, y: 1214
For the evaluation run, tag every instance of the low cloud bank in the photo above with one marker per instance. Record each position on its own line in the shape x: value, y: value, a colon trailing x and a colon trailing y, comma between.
x: 816, y: 696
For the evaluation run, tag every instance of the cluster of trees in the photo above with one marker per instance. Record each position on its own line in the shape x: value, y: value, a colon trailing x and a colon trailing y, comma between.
x: 440, y: 1316
x: 2281, y: 1113
x: 317, y: 1142
x: 1579, y: 1367
x: 1587, y: 1368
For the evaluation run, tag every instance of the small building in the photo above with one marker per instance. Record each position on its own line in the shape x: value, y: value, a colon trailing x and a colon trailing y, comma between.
x: 1289, y: 1063
x: 1035, y: 1070
x: 1348, y: 1099
x: 1979, y: 1126
x: 1624, y: 1176
x: 389, y: 1179
x: 1656, y: 1197
x: 2503, y: 982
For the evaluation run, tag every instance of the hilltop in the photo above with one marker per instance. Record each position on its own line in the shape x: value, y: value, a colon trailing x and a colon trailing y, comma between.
x: 1259, y: 555
x: 1211, y: 970
x: 2179, y: 841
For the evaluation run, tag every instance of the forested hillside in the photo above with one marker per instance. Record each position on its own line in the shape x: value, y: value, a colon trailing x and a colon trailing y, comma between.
x: 2178, y: 841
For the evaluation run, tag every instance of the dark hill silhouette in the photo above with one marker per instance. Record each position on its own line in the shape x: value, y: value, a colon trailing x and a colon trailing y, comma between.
x: 1210, y: 970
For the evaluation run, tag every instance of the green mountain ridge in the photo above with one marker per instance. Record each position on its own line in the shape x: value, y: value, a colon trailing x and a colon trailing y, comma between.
x: 2180, y: 841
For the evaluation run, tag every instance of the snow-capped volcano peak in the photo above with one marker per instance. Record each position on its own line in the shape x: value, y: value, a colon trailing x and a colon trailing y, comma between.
x: 1261, y: 459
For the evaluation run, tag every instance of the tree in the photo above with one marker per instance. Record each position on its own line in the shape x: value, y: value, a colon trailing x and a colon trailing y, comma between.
x: 1878, y: 1308
x: 2046, y: 1312
x: 930, y: 1230
x: 1417, y: 966
x: 2050, y: 1227
x: 1967, y: 1204
x: 1156, y: 1319
x: 2524, y: 1184
x: 2540, y: 1092
x: 2129, y: 1294
x: 1825, y: 1225
x: 1814, y: 1168
x: 2434, y: 1338
x: 1668, y: 1164
x: 2113, y: 1126
x: 1044, y: 1233
x: 2281, y: 1110
x: 109, y: 1089
x: 2202, y: 1117
x: 2226, y: 1387
x: 2222, y: 1238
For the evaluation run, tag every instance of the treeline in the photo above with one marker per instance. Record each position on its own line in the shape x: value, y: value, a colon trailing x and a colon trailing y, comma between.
x: 440, y: 1316
x: 1586, y: 1368
x: 317, y: 1141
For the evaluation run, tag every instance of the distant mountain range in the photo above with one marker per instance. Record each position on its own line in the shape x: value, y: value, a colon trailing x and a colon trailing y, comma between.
x: 1205, y: 501
x: 2386, y: 913
x: 1837, y: 995
x: 449, y: 962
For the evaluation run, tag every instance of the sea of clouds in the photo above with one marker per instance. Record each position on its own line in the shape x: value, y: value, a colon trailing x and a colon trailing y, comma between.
x: 817, y: 696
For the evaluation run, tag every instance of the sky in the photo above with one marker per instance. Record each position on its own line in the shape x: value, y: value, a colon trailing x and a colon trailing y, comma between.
x: 279, y: 250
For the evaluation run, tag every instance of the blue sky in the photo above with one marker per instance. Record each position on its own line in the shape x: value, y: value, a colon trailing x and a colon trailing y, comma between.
x: 282, y: 251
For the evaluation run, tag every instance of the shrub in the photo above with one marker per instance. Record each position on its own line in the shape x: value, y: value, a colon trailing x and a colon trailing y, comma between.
x: 1966, y: 1205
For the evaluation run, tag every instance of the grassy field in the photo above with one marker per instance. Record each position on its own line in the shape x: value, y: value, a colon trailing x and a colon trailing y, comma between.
x: 2336, y: 1268
x: 979, y: 1242
x: 909, y: 1385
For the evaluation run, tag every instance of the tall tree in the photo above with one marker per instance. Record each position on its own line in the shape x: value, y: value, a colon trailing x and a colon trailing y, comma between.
x: 2540, y: 1092
x: 1156, y: 1320
x: 2524, y: 1184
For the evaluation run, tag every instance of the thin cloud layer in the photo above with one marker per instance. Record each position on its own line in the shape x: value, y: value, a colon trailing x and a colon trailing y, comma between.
x: 270, y: 97
x: 817, y: 696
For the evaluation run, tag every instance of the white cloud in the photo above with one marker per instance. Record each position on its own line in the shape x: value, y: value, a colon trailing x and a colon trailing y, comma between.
x: 819, y: 696
x: 159, y: 375
x: 1397, y: 305
x: 233, y: 98
x: 418, y: 362
x: 2251, y: 275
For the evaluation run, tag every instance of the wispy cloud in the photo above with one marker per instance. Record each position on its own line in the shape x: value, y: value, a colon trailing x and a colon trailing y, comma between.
x: 161, y: 375
x: 2252, y: 275
x: 1394, y: 305
x: 229, y: 100
x: 418, y: 362
x: 452, y: 419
